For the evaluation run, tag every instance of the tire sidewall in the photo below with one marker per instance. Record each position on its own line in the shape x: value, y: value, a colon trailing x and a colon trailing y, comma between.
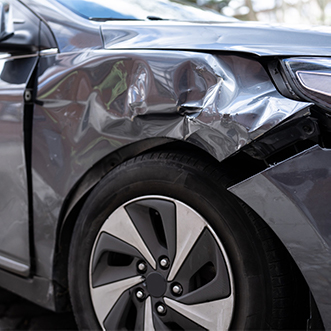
x: 198, y: 189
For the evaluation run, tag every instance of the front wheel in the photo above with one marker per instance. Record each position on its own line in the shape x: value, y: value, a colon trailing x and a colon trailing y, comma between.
x: 160, y: 245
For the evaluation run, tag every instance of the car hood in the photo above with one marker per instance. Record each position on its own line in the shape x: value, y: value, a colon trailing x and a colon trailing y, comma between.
x: 248, y: 37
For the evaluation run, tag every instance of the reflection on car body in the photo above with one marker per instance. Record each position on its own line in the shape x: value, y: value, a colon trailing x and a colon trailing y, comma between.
x: 170, y: 171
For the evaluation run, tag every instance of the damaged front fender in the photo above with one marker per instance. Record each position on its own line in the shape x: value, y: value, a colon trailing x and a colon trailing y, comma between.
x: 230, y: 97
x: 94, y: 103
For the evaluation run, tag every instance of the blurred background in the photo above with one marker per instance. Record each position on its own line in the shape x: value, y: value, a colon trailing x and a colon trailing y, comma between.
x: 316, y: 12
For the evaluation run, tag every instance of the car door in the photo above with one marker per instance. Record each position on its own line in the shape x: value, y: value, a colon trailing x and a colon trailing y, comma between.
x: 18, y: 61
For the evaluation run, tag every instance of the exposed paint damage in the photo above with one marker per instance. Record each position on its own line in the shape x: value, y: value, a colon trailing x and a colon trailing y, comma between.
x: 92, y: 104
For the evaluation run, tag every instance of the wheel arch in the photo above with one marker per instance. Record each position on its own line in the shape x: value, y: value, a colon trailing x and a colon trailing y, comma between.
x: 77, y: 196
x: 79, y: 193
x: 240, y: 163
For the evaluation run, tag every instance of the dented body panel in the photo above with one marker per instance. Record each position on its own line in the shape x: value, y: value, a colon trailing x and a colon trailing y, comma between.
x: 91, y: 104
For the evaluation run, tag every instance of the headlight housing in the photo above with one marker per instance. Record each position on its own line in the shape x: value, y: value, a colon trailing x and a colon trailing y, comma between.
x: 309, y: 78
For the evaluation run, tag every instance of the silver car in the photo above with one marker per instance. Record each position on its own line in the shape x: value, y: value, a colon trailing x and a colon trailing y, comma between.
x: 164, y: 167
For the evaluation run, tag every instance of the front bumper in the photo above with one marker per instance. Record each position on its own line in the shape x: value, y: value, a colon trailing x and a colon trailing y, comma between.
x: 294, y: 198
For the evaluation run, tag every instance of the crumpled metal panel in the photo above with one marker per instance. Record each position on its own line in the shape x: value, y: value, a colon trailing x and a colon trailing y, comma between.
x: 293, y: 197
x: 91, y: 104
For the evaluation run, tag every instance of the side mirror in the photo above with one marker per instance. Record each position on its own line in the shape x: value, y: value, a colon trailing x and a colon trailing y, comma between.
x: 5, y: 32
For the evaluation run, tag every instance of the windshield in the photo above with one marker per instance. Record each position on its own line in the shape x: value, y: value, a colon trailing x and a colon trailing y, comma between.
x: 141, y: 10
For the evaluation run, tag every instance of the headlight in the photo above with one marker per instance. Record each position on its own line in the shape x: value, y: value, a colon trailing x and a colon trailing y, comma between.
x: 309, y: 78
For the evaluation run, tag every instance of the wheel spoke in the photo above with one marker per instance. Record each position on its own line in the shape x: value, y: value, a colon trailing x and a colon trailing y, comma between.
x: 127, y: 314
x: 214, y: 315
x: 155, y: 220
x: 148, y: 321
x: 105, y: 297
x: 113, y: 260
x: 120, y: 226
x: 173, y: 320
x: 204, y: 275
x: 189, y: 227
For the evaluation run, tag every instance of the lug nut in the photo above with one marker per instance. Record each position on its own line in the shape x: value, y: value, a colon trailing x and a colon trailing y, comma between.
x: 161, y: 309
x: 164, y: 263
x: 142, y: 266
x: 177, y: 289
x: 140, y: 294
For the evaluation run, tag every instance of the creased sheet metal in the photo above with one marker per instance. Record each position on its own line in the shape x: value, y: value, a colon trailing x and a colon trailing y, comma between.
x: 91, y: 104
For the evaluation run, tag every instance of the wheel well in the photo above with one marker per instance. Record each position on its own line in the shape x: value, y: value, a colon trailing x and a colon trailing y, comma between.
x: 236, y: 168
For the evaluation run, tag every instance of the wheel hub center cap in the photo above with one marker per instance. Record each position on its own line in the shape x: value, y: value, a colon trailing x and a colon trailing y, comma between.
x: 156, y: 284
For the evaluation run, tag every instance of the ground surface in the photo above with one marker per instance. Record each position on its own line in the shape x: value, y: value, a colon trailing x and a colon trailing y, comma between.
x: 19, y: 314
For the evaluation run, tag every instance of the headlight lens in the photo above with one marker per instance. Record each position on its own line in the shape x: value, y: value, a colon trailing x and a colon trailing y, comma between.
x: 310, y: 78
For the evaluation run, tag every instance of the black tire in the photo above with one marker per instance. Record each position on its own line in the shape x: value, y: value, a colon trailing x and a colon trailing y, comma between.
x: 236, y: 270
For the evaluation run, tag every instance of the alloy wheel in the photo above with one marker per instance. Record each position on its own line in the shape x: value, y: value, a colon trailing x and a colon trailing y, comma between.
x: 157, y: 264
